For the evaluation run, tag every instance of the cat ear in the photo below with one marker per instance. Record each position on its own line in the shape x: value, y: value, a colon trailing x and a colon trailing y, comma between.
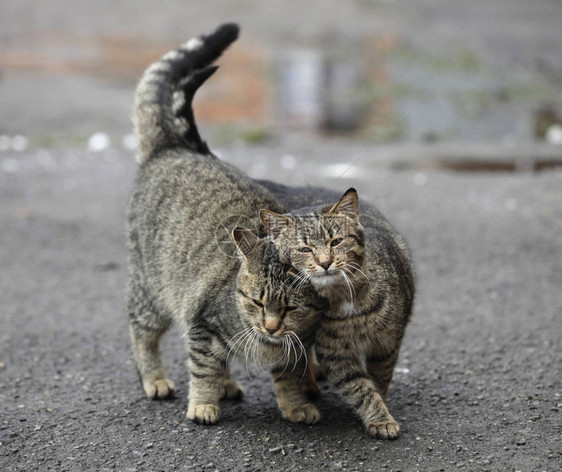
x: 274, y: 222
x: 245, y: 239
x: 348, y: 204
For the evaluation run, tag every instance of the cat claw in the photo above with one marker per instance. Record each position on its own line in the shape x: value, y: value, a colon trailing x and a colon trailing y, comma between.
x: 307, y: 414
x: 384, y: 430
x: 159, y: 389
x: 203, y: 413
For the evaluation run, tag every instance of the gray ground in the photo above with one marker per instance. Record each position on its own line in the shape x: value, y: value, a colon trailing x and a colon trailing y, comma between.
x: 478, y: 386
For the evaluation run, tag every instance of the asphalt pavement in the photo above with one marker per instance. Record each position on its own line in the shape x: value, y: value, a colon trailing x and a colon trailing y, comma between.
x: 477, y: 387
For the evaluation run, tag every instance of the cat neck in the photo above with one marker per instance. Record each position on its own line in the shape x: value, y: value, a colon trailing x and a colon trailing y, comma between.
x: 349, y: 298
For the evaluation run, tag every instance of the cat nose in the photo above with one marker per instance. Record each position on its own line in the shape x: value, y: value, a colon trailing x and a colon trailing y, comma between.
x: 271, y: 325
x: 325, y: 264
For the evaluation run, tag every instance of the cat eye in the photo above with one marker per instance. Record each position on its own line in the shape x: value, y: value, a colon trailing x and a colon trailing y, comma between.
x: 257, y: 302
x: 336, y: 242
x: 305, y: 249
x: 290, y: 308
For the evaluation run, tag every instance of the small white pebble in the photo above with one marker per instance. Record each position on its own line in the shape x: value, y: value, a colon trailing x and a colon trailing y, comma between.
x: 341, y: 170
x: 554, y: 134
x: 19, y: 143
x: 98, y: 142
x: 288, y: 161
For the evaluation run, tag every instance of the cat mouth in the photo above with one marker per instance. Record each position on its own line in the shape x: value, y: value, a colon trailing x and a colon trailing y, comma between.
x: 271, y: 339
x: 326, y: 279
x: 326, y: 274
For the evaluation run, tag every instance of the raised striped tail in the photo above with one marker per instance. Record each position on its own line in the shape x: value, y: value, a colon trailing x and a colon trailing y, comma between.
x: 163, y: 116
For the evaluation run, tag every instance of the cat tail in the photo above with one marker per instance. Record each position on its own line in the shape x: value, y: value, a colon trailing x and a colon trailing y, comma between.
x: 162, y: 116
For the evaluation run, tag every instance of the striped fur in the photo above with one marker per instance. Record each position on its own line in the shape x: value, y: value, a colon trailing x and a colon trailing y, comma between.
x: 163, y: 116
x: 365, y: 271
x: 247, y: 305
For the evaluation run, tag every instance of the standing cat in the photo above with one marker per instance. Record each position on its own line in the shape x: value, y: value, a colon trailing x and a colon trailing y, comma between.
x: 177, y: 274
x: 365, y: 271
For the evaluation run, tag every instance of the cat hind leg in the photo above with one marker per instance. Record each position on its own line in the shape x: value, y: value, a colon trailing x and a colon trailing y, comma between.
x: 146, y: 349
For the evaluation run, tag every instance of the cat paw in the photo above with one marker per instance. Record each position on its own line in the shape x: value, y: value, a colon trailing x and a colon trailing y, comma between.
x: 387, y: 429
x: 232, y: 390
x: 308, y: 414
x: 203, y: 413
x: 159, y: 389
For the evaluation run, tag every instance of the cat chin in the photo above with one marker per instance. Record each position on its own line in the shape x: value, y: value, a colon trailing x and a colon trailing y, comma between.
x: 272, y: 339
x: 322, y: 281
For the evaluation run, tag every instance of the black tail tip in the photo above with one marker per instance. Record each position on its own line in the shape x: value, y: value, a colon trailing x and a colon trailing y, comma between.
x: 227, y: 32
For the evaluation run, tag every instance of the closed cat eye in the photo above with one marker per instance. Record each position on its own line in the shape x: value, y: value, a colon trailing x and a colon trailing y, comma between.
x: 305, y: 249
x: 290, y: 308
x: 257, y: 302
x: 336, y: 242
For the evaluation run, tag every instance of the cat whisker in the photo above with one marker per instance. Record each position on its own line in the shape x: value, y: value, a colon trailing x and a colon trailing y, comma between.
x: 304, y: 281
x: 298, y: 277
x: 240, y: 337
x: 247, y: 349
x: 358, y: 269
x: 237, y: 340
x: 286, y: 356
x: 303, y: 353
x: 349, y: 286
x: 294, y: 349
x: 354, y: 276
x: 300, y: 280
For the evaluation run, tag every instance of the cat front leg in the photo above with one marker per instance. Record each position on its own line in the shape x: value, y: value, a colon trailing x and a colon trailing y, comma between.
x: 313, y: 373
x: 381, y: 369
x: 207, y: 368
x: 292, y: 395
x: 346, y: 372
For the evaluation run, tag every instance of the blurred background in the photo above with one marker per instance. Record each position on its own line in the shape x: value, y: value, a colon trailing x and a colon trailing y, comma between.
x: 436, y: 83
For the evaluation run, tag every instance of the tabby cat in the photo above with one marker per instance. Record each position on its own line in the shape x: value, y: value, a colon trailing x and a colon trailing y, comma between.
x: 245, y: 305
x: 365, y: 271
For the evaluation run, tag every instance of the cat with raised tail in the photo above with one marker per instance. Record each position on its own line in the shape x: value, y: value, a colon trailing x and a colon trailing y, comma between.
x: 246, y: 305
x: 362, y: 265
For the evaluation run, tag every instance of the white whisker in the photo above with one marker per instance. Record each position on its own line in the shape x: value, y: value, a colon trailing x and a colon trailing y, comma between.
x: 240, y: 336
x: 357, y: 268
x: 303, y: 353
x: 349, y: 286
x: 247, y: 348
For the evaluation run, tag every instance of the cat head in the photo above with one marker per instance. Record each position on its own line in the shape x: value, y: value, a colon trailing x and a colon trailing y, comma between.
x: 325, y: 245
x: 270, y: 293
